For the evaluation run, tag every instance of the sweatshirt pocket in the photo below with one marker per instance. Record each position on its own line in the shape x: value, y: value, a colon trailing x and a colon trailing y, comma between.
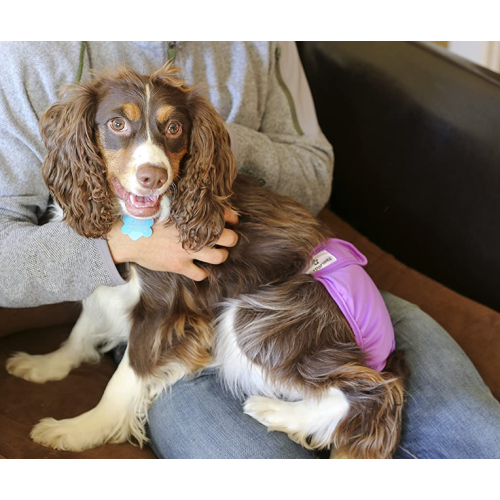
x: 287, y: 93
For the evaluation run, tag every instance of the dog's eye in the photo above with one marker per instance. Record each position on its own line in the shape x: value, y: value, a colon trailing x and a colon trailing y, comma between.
x: 174, y: 128
x: 118, y: 124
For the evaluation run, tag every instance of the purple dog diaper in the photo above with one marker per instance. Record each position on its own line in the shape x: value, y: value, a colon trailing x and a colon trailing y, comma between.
x: 337, y: 264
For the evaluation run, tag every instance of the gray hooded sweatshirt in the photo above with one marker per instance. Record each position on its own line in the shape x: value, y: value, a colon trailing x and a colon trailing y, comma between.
x: 259, y: 88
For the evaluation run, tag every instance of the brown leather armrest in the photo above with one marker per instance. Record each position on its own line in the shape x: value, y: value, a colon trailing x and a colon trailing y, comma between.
x: 18, y: 320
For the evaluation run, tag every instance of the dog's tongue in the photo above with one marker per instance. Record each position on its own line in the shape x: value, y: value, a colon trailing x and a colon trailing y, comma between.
x: 143, y: 201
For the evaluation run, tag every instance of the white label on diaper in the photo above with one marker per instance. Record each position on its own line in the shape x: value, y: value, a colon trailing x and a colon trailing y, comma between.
x: 320, y: 261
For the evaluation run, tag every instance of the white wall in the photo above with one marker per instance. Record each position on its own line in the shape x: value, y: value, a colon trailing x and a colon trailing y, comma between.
x: 485, y: 53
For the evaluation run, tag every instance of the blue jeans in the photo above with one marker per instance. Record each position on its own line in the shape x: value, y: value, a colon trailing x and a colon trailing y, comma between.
x: 449, y: 413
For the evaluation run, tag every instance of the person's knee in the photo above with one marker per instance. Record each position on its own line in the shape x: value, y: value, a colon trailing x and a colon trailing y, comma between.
x: 462, y: 425
x: 198, y: 419
x: 476, y: 427
x: 246, y: 445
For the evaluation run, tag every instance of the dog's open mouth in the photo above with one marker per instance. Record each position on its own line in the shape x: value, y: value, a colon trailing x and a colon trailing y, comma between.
x: 137, y: 205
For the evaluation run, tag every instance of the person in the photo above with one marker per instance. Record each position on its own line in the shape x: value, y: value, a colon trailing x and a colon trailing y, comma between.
x: 261, y: 91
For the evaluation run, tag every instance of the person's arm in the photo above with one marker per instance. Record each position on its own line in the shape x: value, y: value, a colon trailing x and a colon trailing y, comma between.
x: 49, y: 263
x: 289, y: 152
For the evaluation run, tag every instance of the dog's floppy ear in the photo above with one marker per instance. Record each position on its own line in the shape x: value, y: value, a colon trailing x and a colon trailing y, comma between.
x: 206, y: 178
x: 73, y: 169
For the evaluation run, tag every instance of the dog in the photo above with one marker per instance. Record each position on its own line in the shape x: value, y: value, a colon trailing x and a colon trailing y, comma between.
x: 152, y: 147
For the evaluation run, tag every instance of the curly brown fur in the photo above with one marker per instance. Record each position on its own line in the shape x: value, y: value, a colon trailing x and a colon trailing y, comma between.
x: 73, y: 169
x: 206, y: 178
x: 372, y: 428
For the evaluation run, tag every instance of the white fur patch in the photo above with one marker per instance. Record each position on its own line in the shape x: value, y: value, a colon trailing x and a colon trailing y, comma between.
x: 56, y: 213
x: 148, y: 97
x: 165, y: 205
x: 237, y: 372
x: 148, y: 152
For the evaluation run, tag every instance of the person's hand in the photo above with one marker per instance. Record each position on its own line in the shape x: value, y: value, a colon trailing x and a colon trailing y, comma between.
x: 162, y: 251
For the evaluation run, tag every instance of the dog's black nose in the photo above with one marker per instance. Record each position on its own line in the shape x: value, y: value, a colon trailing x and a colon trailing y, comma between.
x: 151, y: 177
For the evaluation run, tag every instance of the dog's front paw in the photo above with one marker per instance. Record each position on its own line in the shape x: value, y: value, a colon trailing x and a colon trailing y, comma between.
x: 38, y: 368
x: 77, y: 434
x: 61, y: 435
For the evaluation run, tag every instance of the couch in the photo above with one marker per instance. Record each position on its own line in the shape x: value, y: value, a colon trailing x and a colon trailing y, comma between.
x: 416, y: 187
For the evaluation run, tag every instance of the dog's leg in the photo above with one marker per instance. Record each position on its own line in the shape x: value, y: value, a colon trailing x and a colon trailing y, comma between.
x: 112, y: 420
x: 309, y: 422
x: 120, y: 415
x: 104, y: 322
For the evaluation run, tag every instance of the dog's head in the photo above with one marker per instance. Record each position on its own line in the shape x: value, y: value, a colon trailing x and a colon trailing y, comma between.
x: 148, y: 147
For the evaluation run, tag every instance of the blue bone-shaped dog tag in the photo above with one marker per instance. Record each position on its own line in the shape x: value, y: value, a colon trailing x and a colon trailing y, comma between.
x: 137, y: 228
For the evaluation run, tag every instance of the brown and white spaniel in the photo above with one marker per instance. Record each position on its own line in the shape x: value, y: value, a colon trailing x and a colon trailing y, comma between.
x: 150, y: 147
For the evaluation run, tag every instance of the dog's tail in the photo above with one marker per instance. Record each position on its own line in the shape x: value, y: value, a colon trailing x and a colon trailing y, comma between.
x: 372, y: 426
